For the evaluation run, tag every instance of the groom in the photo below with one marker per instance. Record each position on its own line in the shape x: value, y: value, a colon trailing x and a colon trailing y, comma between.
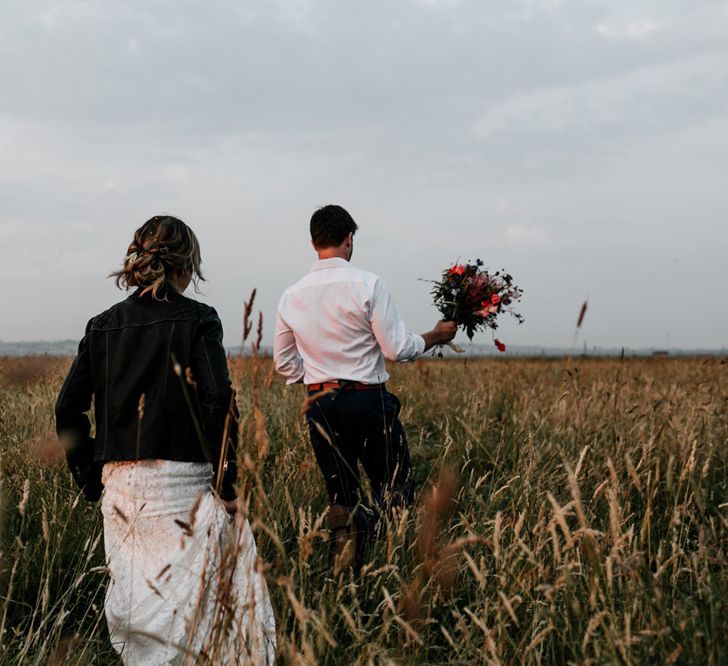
x: 334, y: 329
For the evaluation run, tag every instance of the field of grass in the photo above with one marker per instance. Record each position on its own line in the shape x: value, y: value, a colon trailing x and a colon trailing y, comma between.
x: 569, y: 511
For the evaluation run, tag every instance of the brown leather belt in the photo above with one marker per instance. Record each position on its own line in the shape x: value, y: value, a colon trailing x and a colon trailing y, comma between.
x: 344, y: 386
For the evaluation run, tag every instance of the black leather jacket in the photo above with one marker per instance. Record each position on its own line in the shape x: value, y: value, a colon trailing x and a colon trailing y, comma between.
x: 142, y: 408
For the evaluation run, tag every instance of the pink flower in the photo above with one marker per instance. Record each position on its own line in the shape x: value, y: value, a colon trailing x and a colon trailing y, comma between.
x: 480, y: 282
x: 487, y: 311
x: 487, y: 305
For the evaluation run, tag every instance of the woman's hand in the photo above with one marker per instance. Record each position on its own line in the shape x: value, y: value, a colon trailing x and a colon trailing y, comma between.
x: 231, y: 506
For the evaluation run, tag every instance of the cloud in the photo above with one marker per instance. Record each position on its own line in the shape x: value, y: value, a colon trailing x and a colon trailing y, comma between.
x: 637, y: 30
x: 438, y: 4
x: 644, y: 99
x: 520, y: 235
x: 513, y: 127
x: 48, y: 20
x: 297, y: 12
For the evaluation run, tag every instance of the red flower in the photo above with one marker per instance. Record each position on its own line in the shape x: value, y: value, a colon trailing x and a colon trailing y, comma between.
x: 500, y: 345
x: 457, y: 270
x: 495, y: 299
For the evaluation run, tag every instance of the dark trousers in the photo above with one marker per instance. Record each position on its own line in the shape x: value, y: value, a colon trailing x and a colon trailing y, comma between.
x: 349, y: 427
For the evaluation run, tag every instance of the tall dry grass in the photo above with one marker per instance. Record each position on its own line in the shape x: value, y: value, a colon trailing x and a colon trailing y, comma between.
x: 569, y: 512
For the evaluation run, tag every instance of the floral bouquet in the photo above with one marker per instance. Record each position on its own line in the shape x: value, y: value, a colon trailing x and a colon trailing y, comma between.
x: 472, y: 297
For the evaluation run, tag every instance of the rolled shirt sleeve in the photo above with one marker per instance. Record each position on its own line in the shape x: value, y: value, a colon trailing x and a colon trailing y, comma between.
x: 396, y: 342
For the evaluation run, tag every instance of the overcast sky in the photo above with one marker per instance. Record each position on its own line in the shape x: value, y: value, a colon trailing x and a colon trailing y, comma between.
x: 581, y: 144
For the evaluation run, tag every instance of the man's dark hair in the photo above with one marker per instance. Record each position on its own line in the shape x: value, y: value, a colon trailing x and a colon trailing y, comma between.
x: 330, y: 226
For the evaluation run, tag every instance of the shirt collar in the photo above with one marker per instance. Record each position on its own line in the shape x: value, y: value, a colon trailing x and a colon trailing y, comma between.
x: 334, y: 262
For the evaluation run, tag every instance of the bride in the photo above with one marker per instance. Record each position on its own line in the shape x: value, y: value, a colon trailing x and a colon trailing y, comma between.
x: 185, y: 586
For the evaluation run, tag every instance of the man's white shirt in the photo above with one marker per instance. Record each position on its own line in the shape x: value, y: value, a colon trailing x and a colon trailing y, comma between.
x: 339, y: 322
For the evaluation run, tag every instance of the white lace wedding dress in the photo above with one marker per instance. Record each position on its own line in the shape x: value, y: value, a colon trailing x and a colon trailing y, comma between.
x: 184, y: 585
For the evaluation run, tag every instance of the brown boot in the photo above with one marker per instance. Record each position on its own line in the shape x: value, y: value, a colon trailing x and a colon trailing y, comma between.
x: 343, y: 538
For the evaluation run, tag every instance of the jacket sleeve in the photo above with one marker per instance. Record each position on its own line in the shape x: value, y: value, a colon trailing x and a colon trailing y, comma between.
x: 215, y: 397
x: 73, y: 425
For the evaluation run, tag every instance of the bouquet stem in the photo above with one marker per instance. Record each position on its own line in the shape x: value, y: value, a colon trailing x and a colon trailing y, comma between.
x: 456, y: 347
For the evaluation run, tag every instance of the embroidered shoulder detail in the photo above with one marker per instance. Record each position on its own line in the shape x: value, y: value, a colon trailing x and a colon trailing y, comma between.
x: 120, y: 316
x: 189, y: 309
x: 106, y: 320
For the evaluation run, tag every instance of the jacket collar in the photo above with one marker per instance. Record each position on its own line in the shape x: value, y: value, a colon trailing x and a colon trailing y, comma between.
x: 167, y: 293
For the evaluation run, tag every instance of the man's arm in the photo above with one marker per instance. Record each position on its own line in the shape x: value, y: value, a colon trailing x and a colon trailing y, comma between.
x: 396, y: 342
x: 443, y: 332
x: 288, y: 361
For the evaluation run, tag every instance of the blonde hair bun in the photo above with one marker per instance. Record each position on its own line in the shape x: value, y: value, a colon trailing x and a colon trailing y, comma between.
x: 162, y: 246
